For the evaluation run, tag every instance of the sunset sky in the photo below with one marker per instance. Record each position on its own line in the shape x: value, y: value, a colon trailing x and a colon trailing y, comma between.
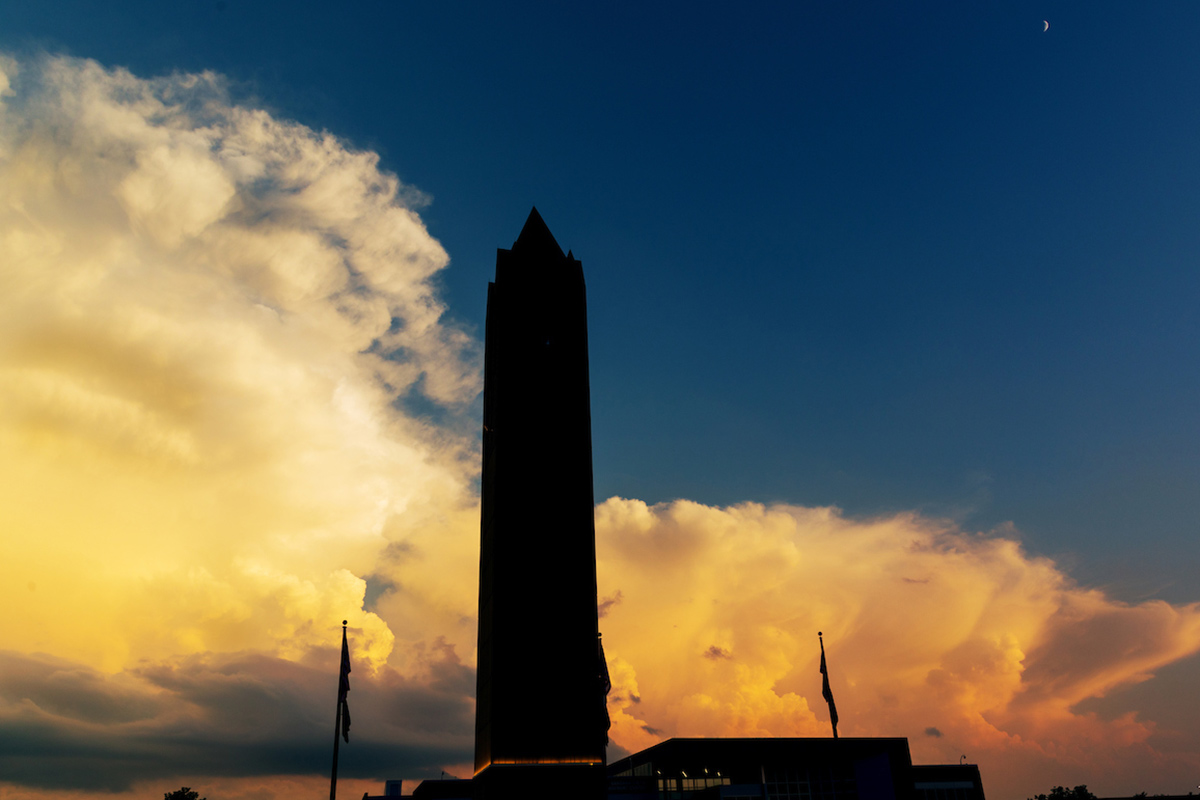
x: 894, y: 335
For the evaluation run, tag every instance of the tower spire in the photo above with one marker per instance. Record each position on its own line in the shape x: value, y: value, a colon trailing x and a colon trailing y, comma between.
x: 535, y: 238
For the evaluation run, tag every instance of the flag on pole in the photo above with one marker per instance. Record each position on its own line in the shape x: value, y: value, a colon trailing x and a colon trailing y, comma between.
x: 826, y: 692
x: 344, y: 687
x: 341, y: 722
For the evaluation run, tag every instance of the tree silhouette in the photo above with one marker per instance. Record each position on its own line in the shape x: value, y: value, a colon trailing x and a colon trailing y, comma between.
x: 1063, y: 793
x: 183, y: 794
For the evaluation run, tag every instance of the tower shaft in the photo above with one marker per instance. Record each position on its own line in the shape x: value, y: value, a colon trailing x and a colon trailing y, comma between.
x: 539, y: 709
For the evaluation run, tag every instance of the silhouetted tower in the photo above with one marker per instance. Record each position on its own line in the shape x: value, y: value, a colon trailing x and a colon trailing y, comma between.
x: 540, y: 723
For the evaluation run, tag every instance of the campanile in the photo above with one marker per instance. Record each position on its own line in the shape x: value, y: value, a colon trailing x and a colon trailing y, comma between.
x: 540, y: 720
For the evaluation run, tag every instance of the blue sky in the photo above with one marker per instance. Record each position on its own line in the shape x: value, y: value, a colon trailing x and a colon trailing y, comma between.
x: 919, y: 261
x: 917, y: 255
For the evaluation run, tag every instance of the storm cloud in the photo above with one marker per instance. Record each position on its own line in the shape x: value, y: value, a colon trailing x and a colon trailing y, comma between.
x: 66, y: 726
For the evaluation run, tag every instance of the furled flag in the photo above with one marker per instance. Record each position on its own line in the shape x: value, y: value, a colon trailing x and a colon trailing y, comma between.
x: 344, y: 687
x: 826, y: 692
x: 605, y: 687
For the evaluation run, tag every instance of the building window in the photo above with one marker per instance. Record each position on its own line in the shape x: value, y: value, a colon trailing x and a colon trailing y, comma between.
x: 829, y: 782
x: 681, y: 787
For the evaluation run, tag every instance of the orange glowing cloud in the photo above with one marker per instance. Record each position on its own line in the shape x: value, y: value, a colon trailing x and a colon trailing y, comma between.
x: 962, y: 642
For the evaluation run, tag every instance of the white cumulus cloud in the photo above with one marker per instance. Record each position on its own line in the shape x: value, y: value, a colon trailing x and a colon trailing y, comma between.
x: 207, y: 318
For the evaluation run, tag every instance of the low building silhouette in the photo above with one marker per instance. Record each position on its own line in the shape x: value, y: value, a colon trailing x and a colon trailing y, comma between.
x: 947, y: 782
x: 788, y: 769
x: 445, y: 789
x: 771, y: 769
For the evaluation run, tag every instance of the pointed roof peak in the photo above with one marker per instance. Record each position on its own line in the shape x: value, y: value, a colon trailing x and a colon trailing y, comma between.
x: 536, y: 237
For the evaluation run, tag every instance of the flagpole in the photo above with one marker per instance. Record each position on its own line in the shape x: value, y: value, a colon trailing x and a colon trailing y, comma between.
x: 337, y: 726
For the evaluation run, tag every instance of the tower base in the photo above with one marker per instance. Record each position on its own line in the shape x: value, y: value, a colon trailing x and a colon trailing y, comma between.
x: 541, y: 782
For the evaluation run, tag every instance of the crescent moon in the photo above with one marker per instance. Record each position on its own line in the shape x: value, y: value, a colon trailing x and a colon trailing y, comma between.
x: 1047, y: 24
